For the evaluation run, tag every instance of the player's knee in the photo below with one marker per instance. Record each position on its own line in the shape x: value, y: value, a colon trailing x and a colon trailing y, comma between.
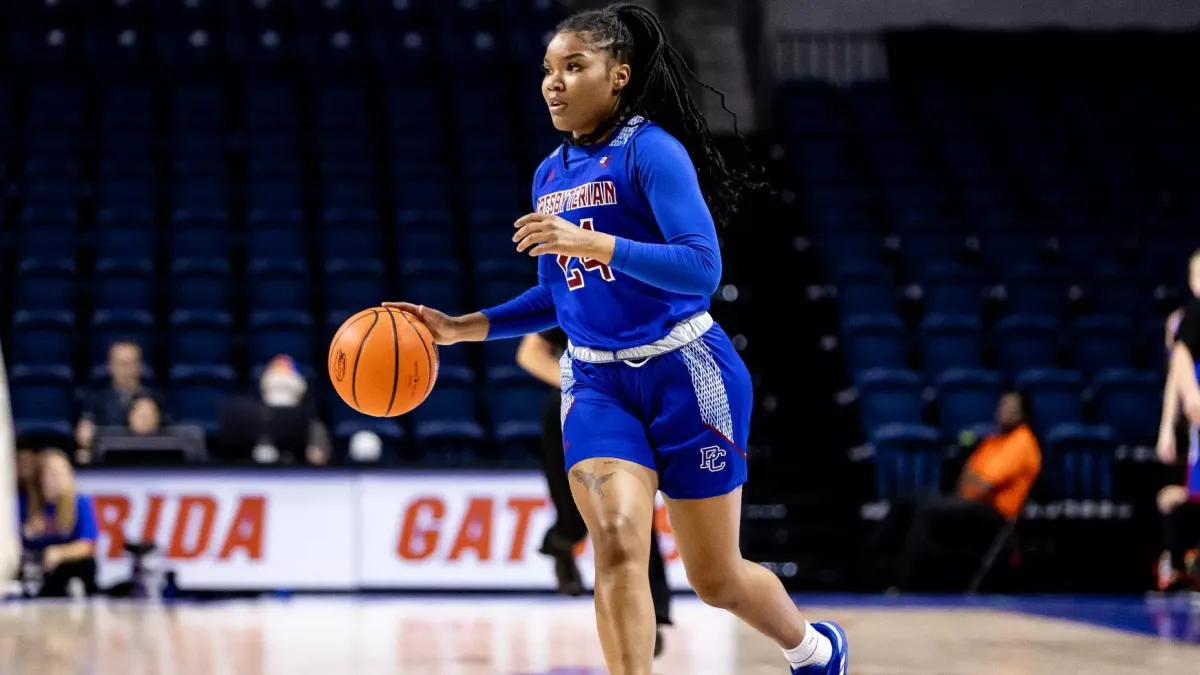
x: 617, y: 540
x: 716, y: 586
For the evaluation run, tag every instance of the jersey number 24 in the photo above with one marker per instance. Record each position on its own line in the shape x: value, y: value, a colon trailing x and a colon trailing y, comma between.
x: 573, y: 274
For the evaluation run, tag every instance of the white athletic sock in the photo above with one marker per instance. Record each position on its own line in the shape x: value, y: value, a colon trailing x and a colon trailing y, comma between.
x: 814, y: 650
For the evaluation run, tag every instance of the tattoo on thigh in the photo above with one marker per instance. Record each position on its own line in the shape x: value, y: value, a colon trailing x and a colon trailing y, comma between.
x: 594, y: 481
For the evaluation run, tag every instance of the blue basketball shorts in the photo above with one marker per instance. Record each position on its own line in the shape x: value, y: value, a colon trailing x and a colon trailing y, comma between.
x: 680, y: 406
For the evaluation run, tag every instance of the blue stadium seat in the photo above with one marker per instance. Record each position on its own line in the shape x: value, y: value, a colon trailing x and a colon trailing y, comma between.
x: 349, y: 287
x: 919, y: 250
x: 43, y: 401
x: 201, y: 285
x: 196, y: 107
x: 119, y: 244
x: 267, y: 169
x: 1079, y: 461
x: 1121, y: 294
x: 280, y: 332
x: 1003, y: 251
x: 200, y: 245
x: 1084, y: 252
x: 56, y: 107
x: 888, y: 396
x: 50, y: 288
x: 908, y: 461
x: 43, y: 338
x: 278, y: 285
x: 443, y: 295
x: 200, y: 194
x: 1026, y: 341
x: 125, y: 168
x: 43, y: 242
x: 950, y: 289
x: 348, y: 243
x: 516, y: 419
x: 348, y: 421
x: 197, y: 394
x: 341, y: 108
x: 274, y: 194
x: 864, y: 289
x: 1128, y: 402
x: 201, y: 338
x: 839, y: 249
x: 495, y: 256
x: 949, y: 342
x: 967, y: 401
x: 500, y: 362
x: 1031, y: 291
x: 1099, y: 342
x: 1053, y: 397
x: 447, y: 422
x: 268, y: 107
x: 874, y: 341
x: 276, y: 243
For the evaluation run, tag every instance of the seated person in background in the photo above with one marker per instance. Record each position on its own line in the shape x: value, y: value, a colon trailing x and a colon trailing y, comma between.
x: 991, y: 492
x: 110, y: 406
x: 144, y: 416
x: 290, y: 430
x: 58, y: 527
x: 1178, y: 568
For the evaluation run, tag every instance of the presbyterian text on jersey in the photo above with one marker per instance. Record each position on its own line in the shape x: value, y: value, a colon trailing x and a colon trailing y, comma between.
x: 597, y: 193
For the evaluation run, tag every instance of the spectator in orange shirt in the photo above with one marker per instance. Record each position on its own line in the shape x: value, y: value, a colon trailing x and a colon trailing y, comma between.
x: 991, y: 491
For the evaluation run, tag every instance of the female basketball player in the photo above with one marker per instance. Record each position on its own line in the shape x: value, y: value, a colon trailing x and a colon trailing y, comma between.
x: 654, y: 395
x: 540, y: 354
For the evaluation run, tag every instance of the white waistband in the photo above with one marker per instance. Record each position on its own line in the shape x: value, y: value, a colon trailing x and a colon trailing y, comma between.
x: 684, y: 332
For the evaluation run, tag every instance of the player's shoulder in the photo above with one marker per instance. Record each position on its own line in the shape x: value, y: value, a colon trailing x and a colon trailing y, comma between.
x: 542, y: 173
x: 653, y: 143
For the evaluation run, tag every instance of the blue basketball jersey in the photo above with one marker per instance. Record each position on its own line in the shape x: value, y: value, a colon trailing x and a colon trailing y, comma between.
x: 609, y: 187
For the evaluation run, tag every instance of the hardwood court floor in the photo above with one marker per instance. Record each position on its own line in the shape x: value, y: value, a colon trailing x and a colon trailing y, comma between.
x: 542, y: 636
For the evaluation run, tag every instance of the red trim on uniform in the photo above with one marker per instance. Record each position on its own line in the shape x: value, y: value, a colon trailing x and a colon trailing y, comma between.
x: 566, y: 443
x: 726, y: 439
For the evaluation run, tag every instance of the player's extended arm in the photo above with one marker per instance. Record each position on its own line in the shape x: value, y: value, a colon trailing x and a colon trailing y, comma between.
x: 690, y: 260
x: 529, y: 312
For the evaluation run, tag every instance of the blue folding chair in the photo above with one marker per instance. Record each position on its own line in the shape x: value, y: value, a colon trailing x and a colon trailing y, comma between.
x: 874, y: 341
x: 888, y: 396
x: 967, y: 401
x: 1029, y: 341
x: 201, y: 338
x: 949, y: 342
x: 1053, y: 397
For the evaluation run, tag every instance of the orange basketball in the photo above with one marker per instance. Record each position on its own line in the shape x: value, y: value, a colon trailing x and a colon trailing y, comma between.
x: 383, y: 362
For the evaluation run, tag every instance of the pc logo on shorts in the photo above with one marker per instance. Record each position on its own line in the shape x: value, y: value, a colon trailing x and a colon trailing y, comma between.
x: 711, y: 458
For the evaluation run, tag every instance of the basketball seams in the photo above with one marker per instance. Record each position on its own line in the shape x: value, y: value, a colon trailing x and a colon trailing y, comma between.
x: 345, y: 327
x: 396, y: 363
x: 358, y: 357
x: 428, y: 357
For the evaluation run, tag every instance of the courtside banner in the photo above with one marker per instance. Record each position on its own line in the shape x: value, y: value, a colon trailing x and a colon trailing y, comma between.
x: 236, y: 530
x: 339, y: 530
x: 468, y: 530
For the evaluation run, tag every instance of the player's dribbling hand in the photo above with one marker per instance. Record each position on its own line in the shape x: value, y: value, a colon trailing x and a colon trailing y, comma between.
x: 441, y: 326
x: 542, y: 234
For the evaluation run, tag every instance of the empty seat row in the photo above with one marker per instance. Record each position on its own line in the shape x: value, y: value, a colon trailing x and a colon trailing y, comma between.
x: 1091, y: 344
x: 1126, y: 401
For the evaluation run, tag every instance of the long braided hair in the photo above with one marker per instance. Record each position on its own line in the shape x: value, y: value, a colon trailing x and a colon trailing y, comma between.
x: 658, y: 91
